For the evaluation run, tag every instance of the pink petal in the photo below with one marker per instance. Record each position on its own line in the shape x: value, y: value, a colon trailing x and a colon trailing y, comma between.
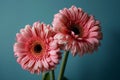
x: 52, y: 52
x: 75, y: 10
x: 81, y: 48
x: 36, y: 65
x: 45, y: 64
x: 34, y: 32
x: 19, y: 59
x: 95, y: 28
x: 19, y: 45
x: 30, y: 63
x: 80, y: 13
x: 72, y: 13
x: 93, y: 34
x: 93, y: 40
x: 68, y: 46
x: 20, y: 38
x: 20, y: 54
x: 39, y: 64
x: 54, y: 59
x: 48, y: 59
x: 52, y: 63
x: 53, y: 44
x: 25, y: 59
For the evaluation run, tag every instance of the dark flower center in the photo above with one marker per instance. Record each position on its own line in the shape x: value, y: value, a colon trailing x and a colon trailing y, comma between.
x: 75, y: 29
x: 37, y: 48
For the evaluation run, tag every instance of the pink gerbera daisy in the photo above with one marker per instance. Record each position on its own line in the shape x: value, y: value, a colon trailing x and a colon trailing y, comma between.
x: 35, y: 49
x: 79, y: 32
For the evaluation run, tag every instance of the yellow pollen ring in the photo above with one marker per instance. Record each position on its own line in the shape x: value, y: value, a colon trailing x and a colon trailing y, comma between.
x: 37, y: 48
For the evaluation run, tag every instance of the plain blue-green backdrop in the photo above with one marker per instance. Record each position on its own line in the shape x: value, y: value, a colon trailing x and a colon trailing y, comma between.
x: 102, y: 65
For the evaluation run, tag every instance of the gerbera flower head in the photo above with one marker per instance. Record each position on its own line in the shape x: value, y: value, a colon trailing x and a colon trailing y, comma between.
x: 35, y: 48
x: 80, y: 32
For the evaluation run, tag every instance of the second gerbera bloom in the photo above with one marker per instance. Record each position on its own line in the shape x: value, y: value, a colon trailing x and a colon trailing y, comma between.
x: 79, y: 32
x: 35, y: 49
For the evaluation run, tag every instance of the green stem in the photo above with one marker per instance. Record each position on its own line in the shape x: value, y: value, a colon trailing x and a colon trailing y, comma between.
x: 62, y: 68
x: 52, y: 74
x: 43, y: 76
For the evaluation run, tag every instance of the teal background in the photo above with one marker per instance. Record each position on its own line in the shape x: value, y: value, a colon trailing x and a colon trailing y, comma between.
x: 102, y: 65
